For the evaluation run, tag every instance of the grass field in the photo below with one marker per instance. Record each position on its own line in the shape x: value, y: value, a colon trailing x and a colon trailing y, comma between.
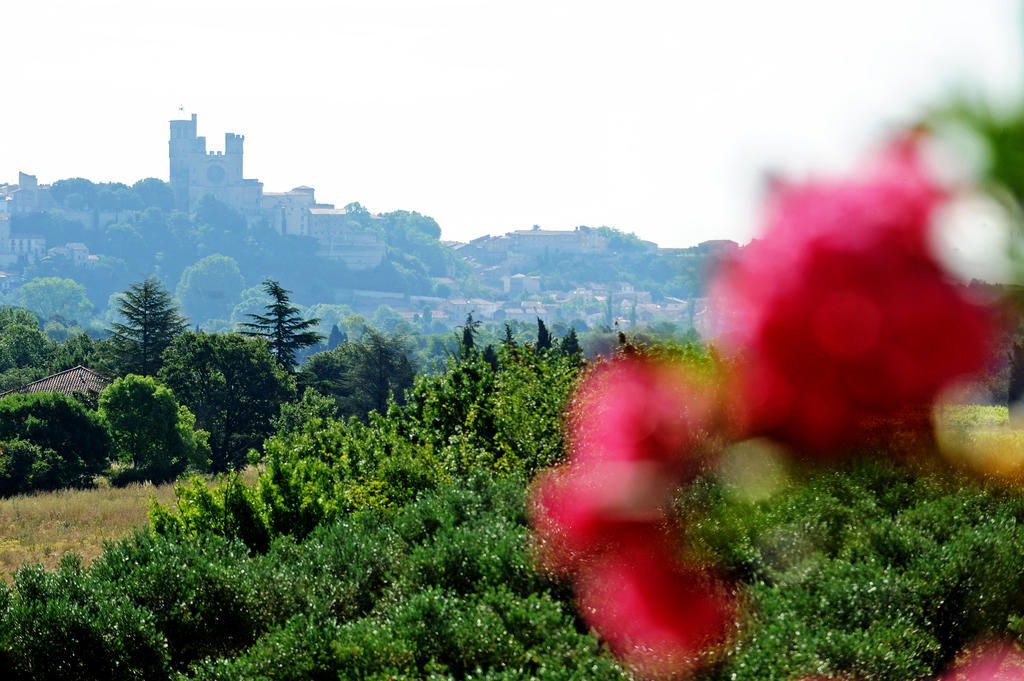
x: 40, y: 528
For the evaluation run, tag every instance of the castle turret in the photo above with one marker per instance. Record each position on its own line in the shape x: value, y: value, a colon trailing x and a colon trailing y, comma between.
x: 184, y: 147
x: 196, y: 172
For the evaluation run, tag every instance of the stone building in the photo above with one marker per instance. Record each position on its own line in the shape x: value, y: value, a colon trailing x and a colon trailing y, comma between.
x: 288, y: 212
x: 196, y: 172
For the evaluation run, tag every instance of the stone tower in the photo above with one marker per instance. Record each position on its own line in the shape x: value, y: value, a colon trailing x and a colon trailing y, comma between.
x: 196, y: 172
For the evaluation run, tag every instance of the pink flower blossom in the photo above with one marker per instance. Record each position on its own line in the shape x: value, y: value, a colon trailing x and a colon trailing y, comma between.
x: 637, y: 430
x: 631, y: 410
x: 841, y: 314
x: 656, y: 612
x: 636, y: 433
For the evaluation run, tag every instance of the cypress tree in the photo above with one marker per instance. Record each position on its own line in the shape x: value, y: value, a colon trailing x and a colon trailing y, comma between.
x: 151, y: 322
x: 570, y: 346
x: 469, y: 332
x: 491, y: 357
x: 336, y: 338
x: 509, y: 341
x: 543, y: 335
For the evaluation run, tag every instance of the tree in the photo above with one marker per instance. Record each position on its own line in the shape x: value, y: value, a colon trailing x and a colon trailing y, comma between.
x: 336, y: 338
x: 543, y: 337
x: 151, y: 432
x: 154, y: 193
x: 23, y: 346
x: 282, y: 327
x: 362, y: 375
x: 210, y: 288
x: 570, y: 346
x: 469, y: 331
x: 56, y: 296
x: 490, y: 355
x: 509, y: 341
x: 76, y: 439
x: 232, y: 384
x: 151, y: 322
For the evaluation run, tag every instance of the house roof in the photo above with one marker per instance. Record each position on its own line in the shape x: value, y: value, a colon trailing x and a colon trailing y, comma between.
x: 79, y: 379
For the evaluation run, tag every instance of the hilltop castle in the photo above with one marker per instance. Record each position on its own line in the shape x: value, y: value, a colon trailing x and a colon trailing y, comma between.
x: 196, y: 172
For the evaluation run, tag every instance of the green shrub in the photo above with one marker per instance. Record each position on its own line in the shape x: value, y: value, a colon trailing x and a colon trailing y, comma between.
x: 64, y: 625
x: 56, y: 423
x: 200, y: 593
x: 873, y: 571
x: 229, y: 510
x: 25, y: 467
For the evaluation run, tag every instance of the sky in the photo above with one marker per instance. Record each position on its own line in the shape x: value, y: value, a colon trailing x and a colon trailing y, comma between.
x: 657, y: 118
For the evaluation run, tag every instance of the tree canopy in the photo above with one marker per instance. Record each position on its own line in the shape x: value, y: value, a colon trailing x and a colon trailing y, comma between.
x: 56, y: 297
x: 152, y: 434
x: 232, y: 384
x: 362, y: 375
x: 210, y: 288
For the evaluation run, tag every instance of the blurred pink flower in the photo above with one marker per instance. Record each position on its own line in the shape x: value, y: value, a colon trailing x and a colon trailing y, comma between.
x: 657, y: 613
x: 841, y: 314
x: 637, y: 430
x: 578, y: 509
x: 635, y: 434
x: 994, y: 662
x: 630, y: 410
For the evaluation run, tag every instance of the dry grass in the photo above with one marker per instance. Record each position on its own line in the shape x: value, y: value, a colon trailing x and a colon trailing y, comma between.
x: 40, y: 528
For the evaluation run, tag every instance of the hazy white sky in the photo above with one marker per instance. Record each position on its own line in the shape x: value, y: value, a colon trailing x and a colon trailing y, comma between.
x: 653, y: 117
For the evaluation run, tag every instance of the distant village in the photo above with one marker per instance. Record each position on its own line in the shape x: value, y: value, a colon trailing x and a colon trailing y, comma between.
x: 503, y: 267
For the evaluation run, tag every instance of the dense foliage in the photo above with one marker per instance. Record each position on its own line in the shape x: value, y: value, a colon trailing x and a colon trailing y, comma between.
x: 153, y: 436
x: 232, y: 384
x: 72, y: 439
x: 398, y: 547
x: 871, y: 571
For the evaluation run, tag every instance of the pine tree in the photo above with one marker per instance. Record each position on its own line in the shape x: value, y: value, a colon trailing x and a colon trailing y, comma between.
x: 543, y: 335
x: 283, y: 328
x: 151, y: 322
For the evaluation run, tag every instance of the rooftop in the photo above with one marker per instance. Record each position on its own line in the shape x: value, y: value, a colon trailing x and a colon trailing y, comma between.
x: 79, y: 379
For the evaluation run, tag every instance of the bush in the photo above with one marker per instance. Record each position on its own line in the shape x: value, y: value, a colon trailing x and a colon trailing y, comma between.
x: 24, y: 467
x: 199, y: 594
x: 56, y: 423
x: 63, y: 625
x: 874, y: 571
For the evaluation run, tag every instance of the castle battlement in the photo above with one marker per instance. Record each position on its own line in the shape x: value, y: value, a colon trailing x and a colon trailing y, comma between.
x: 196, y: 172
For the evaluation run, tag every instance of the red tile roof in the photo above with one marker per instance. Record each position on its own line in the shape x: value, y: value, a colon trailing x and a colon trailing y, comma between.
x: 78, y: 379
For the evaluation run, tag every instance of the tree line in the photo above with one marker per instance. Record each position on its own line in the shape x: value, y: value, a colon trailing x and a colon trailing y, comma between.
x: 185, y: 400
